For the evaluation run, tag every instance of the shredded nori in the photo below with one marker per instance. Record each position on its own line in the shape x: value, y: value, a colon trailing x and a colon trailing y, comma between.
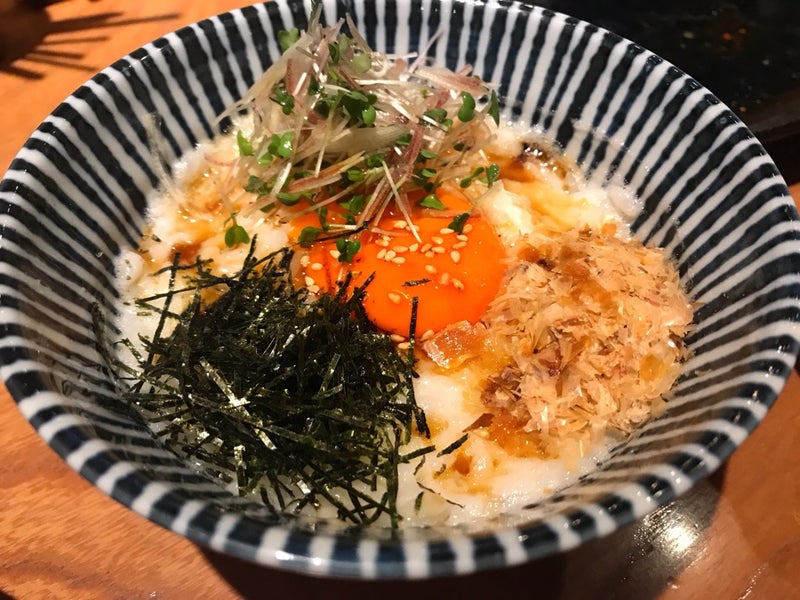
x: 454, y: 446
x: 305, y: 401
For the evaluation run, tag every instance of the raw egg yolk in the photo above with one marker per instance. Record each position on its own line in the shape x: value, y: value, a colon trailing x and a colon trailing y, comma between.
x: 454, y: 276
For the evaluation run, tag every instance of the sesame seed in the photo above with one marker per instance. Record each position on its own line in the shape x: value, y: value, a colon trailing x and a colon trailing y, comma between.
x: 444, y: 278
x: 446, y: 230
x: 429, y: 254
x: 417, y: 227
x: 305, y: 260
x: 314, y: 289
x: 400, y: 249
x: 438, y: 250
x: 316, y: 266
x: 381, y: 254
x: 403, y: 346
x: 461, y: 237
x: 455, y: 256
x: 413, y: 247
x: 383, y: 242
x: 394, y: 298
x: 467, y: 228
x: 437, y: 240
x: 309, y: 281
x: 459, y: 245
x: 399, y: 224
x: 458, y: 284
x: 397, y: 338
x: 335, y: 254
x: 390, y: 254
x: 425, y: 248
x: 427, y: 335
x: 431, y: 269
x: 399, y: 260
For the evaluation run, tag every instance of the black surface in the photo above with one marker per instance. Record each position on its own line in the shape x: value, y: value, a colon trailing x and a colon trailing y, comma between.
x: 746, y: 52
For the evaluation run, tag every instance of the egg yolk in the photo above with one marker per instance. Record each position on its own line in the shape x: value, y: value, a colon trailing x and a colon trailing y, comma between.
x: 454, y: 276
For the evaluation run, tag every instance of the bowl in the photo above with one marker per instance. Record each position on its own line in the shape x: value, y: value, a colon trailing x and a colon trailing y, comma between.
x: 76, y: 194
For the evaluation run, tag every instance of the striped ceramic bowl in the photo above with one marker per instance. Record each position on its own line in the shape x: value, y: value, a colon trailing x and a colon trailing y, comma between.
x: 75, y: 195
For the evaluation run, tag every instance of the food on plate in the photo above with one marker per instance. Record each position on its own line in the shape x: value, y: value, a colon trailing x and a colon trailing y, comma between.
x: 373, y: 300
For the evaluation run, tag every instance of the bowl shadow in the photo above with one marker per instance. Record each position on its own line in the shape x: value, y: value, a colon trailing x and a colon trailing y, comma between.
x: 30, y: 38
x: 635, y: 562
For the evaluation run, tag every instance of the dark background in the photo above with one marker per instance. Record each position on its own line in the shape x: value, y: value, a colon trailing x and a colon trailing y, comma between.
x: 747, y: 52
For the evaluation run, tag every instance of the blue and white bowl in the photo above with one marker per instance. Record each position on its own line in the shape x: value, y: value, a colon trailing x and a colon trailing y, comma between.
x: 75, y: 196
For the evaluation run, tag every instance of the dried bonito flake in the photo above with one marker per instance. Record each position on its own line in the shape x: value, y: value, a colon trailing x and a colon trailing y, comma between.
x: 593, y: 325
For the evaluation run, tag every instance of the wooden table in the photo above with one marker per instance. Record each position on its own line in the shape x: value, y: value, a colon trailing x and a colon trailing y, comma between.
x: 736, y: 535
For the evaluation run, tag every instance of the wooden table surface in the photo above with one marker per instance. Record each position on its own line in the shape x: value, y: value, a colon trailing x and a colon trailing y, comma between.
x: 735, y: 535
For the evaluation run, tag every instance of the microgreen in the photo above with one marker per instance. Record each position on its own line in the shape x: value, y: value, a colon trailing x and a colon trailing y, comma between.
x: 344, y: 42
x: 353, y: 206
x: 427, y: 172
x: 492, y: 173
x: 431, y: 201
x: 458, y: 222
x: 358, y: 106
x: 334, y: 55
x: 281, y: 144
x: 244, y: 144
x: 362, y: 62
x: 403, y: 141
x: 355, y: 175
x: 289, y: 199
x: 425, y: 154
x: 467, y: 181
x: 255, y: 185
x: 436, y: 114
x: 355, y: 203
x: 283, y: 98
x: 308, y: 235
x: 467, y: 111
x: 236, y: 234
x: 322, y: 215
x: 487, y: 175
x: 374, y: 161
x: 325, y: 104
x: 424, y: 178
x: 494, y: 108
x: 368, y: 115
x: 288, y: 37
x: 347, y: 249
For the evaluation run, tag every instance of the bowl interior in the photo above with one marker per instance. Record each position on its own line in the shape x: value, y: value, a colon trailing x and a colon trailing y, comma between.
x: 76, y: 195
